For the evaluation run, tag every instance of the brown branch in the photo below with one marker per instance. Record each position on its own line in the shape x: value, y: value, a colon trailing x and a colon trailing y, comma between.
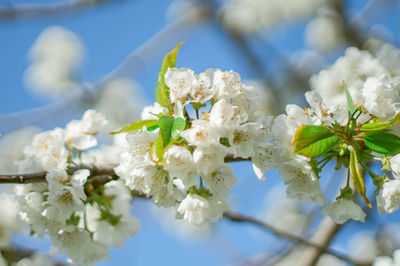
x: 102, y: 174
x: 15, y: 254
x: 11, y: 12
x: 236, y: 217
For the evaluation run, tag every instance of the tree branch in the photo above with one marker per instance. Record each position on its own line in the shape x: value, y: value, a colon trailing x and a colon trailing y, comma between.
x: 15, y: 254
x: 237, y: 217
x: 102, y: 174
x: 30, y: 11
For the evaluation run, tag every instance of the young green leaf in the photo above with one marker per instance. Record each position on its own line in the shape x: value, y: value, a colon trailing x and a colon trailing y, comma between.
x: 350, y: 104
x: 313, y: 141
x: 166, y: 123
x: 383, y: 142
x: 136, y: 126
x: 162, y: 92
x: 356, y: 175
x: 157, y: 150
x: 177, y: 127
x: 225, y: 142
x: 380, y: 125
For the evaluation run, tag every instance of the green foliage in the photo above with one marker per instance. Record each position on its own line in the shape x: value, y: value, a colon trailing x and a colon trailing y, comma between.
x: 379, y: 125
x: 162, y: 91
x: 166, y: 123
x: 383, y: 142
x: 178, y: 126
x: 350, y: 104
x: 357, y: 176
x: 314, y: 141
x: 225, y: 142
x: 157, y: 150
x: 150, y: 124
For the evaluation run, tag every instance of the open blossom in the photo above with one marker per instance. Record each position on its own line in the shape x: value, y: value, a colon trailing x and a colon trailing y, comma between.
x: 198, y: 210
x: 388, y: 198
x: 342, y: 210
x: 202, y: 91
x: 222, y: 117
x: 137, y: 172
x: 380, y: 97
x: 202, y: 133
x: 46, y: 152
x: 221, y: 182
x: 80, y: 133
x: 242, y: 138
x: 302, y: 182
x: 180, y: 165
x: 180, y: 82
x: 66, y: 193
x: 208, y: 159
x: 226, y: 84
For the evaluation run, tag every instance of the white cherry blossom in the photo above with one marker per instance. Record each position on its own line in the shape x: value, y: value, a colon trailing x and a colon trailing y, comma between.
x: 180, y: 82
x: 342, y: 210
x: 388, y: 199
x: 180, y: 165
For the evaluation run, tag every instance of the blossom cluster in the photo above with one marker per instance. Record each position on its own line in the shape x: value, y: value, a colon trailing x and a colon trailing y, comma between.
x: 374, y: 91
x: 189, y: 172
x: 81, y: 217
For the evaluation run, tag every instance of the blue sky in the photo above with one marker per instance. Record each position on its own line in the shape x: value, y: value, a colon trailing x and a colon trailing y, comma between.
x: 109, y: 33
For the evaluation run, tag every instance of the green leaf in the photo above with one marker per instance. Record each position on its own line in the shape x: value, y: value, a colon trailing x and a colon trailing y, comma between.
x: 162, y: 92
x: 350, y: 104
x: 225, y: 142
x: 313, y: 141
x: 166, y: 123
x: 153, y: 128
x: 380, y: 125
x: 383, y: 142
x: 136, y: 126
x: 357, y: 176
x: 157, y: 150
x: 177, y: 127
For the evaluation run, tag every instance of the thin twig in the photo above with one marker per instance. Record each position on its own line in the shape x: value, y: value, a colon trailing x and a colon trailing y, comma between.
x: 237, y: 217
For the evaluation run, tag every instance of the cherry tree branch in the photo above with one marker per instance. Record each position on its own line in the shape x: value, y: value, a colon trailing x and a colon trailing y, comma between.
x: 100, y: 175
x: 321, y: 247
x: 11, y: 12
x: 15, y: 254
